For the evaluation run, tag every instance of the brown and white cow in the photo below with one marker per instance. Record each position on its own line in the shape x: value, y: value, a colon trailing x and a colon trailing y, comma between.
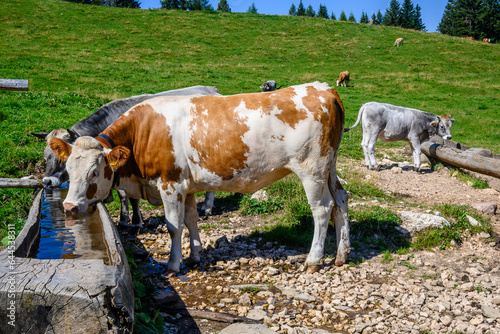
x: 343, y: 79
x: 486, y: 40
x: 168, y: 148
x: 398, y: 41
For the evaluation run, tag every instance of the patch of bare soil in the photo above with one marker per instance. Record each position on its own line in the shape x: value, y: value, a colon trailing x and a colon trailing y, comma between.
x: 428, y: 187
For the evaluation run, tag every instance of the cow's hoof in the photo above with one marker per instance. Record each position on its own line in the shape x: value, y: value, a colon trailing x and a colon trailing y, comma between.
x: 170, y: 273
x: 339, y: 263
x: 190, y: 262
x: 311, y: 269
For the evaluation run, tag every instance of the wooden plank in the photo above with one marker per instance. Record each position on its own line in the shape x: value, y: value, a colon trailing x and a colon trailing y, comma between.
x: 463, y: 159
x: 14, y: 84
x: 20, y: 183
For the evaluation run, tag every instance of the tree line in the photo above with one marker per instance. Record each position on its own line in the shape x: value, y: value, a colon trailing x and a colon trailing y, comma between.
x: 404, y: 15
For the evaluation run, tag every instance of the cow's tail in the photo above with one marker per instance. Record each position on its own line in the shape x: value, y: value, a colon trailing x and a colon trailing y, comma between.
x: 357, y: 121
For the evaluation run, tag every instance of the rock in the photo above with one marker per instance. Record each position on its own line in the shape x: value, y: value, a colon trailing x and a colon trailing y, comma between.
x: 472, y: 221
x: 256, y: 314
x: 245, y: 300
x: 446, y: 320
x: 260, y: 195
x: 247, y: 329
x: 488, y: 208
x: 165, y: 297
x: 490, y: 312
x: 416, y: 222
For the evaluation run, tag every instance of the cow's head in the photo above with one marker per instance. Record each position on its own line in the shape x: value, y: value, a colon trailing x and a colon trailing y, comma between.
x: 90, y: 168
x: 55, y: 170
x: 442, y: 126
x: 268, y: 86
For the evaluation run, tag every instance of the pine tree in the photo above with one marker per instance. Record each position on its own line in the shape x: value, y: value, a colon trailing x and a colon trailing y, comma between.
x: 171, y: 4
x: 200, y: 5
x: 322, y: 11
x: 342, y: 17
x: 351, y: 18
x: 476, y: 18
x: 293, y: 10
x: 418, y: 24
x: 392, y: 14
x: 364, y: 17
x: 252, y: 8
x: 407, y: 15
x: 490, y: 20
x: 310, y: 11
x: 333, y: 17
x: 127, y: 3
x: 223, y: 6
x: 301, y: 11
x: 380, y: 17
x: 461, y: 18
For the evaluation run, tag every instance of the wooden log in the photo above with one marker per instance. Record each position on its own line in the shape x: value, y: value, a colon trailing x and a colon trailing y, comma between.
x: 14, y: 84
x: 20, y: 183
x: 462, y: 159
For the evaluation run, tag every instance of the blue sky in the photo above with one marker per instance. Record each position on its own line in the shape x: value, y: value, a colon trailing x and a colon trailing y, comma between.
x: 432, y: 10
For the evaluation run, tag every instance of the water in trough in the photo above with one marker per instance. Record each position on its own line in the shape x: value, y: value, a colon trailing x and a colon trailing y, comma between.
x: 63, y: 236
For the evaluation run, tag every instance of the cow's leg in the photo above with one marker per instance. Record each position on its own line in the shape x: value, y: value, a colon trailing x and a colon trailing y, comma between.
x: 124, y: 216
x: 208, y: 203
x: 174, y: 216
x: 136, y: 212
x: 321, y: 202
x: 340, y: 217
x: 364, y: 145
x: 191, y: 220
x: 368, y: 144
x: 416, y: 150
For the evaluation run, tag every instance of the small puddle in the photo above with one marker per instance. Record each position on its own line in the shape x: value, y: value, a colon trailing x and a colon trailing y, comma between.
x: 68, y: 237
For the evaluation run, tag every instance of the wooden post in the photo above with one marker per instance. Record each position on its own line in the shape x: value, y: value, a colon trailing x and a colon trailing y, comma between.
x: 468, y: 159
x: 14, y: 84
x: 20, y: 183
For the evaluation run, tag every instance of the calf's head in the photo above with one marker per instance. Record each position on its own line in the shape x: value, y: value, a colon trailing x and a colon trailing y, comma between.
x: 90, y: 168
x: 442, y: 126
x: 55, y: 170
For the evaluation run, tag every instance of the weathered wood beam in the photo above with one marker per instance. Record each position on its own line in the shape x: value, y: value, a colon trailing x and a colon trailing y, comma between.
x: 14, y: 84
x: 468, y: 159
x: 20, y: 183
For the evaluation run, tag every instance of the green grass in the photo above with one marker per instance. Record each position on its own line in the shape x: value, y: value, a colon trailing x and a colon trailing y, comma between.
x: 78, y: 57
x: 459, y: 224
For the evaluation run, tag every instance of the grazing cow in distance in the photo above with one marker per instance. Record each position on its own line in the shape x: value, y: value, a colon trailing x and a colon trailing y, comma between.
x: 486, y: 40
x: 55, y: 172
x: 237, y: 143
x: 470, y: 37
x: 343, y: 79
x: 392, y: 123
x: 398, y: 41
x: 269, y: 86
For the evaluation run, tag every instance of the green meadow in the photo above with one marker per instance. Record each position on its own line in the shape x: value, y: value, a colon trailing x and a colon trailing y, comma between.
x: 79, y: 57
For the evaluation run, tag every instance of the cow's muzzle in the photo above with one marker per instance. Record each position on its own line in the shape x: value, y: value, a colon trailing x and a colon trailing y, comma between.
x: 68, y: 207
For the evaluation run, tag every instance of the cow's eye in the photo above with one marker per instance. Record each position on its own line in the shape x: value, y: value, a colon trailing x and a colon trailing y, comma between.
x: 95, y: 174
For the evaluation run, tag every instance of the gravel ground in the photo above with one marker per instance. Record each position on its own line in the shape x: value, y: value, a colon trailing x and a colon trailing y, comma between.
x: 456, y: 290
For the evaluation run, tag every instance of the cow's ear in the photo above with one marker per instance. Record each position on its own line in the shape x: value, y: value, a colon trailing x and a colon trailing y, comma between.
x: 435, y: 123
x: 118, y: 157
x: 452, y: 120
x: 60, y: 148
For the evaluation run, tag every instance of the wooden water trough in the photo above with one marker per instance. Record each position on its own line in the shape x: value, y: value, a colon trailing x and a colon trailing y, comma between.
x: 475, y: 159
x: 65, y: 295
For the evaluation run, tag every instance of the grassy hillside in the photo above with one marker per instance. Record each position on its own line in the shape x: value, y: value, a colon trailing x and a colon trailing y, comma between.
x: 78, y: 57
